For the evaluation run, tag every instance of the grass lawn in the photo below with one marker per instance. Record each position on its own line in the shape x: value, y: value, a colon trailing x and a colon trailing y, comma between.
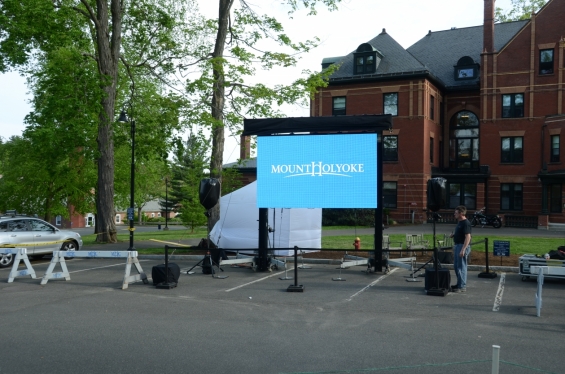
x: 170, y: 235
x: 518, y: 245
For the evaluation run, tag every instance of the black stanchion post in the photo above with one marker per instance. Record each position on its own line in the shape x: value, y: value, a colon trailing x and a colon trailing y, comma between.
x: 295, y: 287
x: 487, y: 274
x: 166, y: 284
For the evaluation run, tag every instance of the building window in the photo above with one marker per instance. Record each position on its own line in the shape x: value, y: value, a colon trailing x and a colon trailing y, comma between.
x: 366, y: 58
x: 464, y: 141
x: 118, y: 218
x: 462, y: 194
x: 546, y: 61
x: 511, y: 196
x: 58, y: 220
x: 554, y: 148
x: 152, y: 215
x: 555, y: 196
x: 338, y: 108
x: 389, y: 194
x: 512, y: 149
x: 390, y: 148
x: 390, y: 101
x: 432, y: 103
x: 513, y: 106
x: 431, y: 150
x: 365, y: 64
x: 466, y: 69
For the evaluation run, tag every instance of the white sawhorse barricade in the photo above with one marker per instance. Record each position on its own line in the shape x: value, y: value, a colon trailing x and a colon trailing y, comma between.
x: 542, y: 271
x: 59, y: 258
x: 21, y: 255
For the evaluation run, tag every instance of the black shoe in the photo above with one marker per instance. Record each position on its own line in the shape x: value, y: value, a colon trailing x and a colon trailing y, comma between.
x: 454, y: 287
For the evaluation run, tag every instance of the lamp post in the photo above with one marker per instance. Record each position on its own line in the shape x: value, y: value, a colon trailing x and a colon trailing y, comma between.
x: 123, y: 118
x: 166, y: 203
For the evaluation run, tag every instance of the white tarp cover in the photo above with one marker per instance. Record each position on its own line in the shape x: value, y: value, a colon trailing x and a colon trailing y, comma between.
x: 238, y: 227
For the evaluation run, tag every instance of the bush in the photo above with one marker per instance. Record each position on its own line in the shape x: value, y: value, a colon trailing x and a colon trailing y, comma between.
x: 136, y: 218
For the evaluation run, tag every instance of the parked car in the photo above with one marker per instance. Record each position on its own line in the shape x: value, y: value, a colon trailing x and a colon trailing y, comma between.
x: 36, y: 235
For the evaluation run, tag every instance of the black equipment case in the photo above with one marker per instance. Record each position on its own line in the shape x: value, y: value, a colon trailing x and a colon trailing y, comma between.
x: 444, y: 279
x: 158, y: 273
x: 526, y: 261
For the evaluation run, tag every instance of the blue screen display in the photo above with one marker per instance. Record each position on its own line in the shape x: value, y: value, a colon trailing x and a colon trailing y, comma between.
x: 317, y: 171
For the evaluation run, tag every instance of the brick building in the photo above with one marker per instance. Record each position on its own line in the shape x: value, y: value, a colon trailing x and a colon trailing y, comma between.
x: 482, y: 107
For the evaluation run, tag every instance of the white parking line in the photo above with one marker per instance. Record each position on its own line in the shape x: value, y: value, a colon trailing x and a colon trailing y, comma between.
x: 257, y: 280
x: 499, y: 292
x: 373, y: 283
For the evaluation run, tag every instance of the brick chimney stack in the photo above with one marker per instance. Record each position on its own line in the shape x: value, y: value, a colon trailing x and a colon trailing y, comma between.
x: 245, y: 147
x: 488, y: 27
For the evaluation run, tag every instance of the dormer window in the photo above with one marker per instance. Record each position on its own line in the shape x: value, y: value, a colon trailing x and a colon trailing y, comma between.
x: 466, y: 69
x: 366, y: 59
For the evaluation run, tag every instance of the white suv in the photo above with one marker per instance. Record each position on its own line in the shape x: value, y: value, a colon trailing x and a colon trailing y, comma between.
x: 38, y: 236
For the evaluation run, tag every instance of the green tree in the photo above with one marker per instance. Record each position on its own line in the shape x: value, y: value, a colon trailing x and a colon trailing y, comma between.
x: 521, y: 10
x: 223, y: 93
x: 190, y: 164
x: 144, y: 38
x: 38, y: 179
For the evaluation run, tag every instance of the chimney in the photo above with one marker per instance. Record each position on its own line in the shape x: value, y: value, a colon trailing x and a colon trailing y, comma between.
x: 245, y: 147
x: 488, y: 27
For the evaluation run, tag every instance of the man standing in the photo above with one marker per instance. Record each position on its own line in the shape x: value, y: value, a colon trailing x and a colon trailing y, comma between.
x: 462, y: 248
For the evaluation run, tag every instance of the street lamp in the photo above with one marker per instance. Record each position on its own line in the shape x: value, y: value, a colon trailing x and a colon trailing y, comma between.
x: 124, y: 119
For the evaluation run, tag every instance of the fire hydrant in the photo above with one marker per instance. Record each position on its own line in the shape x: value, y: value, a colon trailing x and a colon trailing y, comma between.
x: 357, y: 244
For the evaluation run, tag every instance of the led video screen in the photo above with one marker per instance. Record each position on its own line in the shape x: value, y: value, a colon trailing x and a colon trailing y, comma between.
x: 317, y: 171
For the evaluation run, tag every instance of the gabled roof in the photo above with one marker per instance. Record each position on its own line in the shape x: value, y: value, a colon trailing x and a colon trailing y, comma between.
x: 396, y: 61
x: 435, y: 55
x: 441, y: 50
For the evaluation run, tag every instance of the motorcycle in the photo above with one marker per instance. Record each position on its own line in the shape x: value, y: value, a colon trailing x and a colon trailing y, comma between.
x: 479, y: 217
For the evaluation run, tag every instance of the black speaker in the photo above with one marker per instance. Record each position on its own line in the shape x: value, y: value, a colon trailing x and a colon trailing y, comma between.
x: 209, y: 192
x: 158, y: 273
x: 436, y: 194
x: 444, y: 277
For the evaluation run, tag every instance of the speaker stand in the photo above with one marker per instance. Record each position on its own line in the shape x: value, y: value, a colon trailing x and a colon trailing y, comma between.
x: 436, y: 291
x: 213, y: 263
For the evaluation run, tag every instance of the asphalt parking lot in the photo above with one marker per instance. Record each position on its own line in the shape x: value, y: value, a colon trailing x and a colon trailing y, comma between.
x: 248, y: 322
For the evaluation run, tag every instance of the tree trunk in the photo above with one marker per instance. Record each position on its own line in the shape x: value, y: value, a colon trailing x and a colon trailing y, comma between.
x: 218, y: 99
x: 108, y: 49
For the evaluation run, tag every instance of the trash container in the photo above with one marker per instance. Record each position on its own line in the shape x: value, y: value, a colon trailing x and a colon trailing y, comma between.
x: 158, y: 227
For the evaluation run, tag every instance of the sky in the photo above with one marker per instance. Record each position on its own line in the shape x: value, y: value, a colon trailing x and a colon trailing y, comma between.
x: 340, y: 32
